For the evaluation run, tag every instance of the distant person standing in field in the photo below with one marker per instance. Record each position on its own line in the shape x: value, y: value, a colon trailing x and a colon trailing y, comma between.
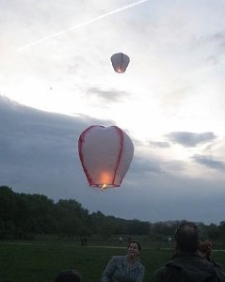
x: 125, y: 268
x: 188, y: 265
x: 83, y: 240
x: 68, y: 276
x: 205, y: 250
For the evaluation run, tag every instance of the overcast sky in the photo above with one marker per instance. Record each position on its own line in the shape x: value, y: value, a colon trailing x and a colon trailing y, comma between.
x: 56, y: 79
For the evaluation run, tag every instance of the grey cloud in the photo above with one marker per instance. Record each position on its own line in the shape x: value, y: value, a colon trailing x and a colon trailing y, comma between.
x: 177, y: 166
x: 108, y: 95
x: 32, y: 139
x: 209, y: 162
x: 172, y: 197
x: 145, y: 166
x: 159, y: 144
x: 190, y: 139
x: 218, y: 38
x: 212, y: 60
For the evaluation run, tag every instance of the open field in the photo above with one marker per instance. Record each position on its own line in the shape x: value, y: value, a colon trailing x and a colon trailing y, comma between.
x: 42, y: 261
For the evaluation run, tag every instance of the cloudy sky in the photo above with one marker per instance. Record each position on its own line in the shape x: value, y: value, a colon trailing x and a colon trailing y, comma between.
x: 56, y: 79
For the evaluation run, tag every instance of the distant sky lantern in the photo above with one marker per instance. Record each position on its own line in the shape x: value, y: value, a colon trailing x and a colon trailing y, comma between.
x: 105, y: 154
x: 120, y: 62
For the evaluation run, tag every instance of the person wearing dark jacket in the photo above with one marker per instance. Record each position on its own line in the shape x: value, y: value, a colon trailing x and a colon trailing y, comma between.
x: 187, y: 264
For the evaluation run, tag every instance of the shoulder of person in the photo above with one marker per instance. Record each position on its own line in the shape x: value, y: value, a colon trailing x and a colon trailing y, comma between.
x: 216, y: 264
x: 140, y: 264
x: 158, y: 274
x: 220, y: 273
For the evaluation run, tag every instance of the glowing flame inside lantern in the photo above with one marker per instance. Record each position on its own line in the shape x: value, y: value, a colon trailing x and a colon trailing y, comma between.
x: 106, y: 154
x: 105, y: 178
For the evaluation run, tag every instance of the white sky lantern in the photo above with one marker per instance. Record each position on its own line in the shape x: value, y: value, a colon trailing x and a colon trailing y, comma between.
x: 120, y: 62
x: 106, y: 154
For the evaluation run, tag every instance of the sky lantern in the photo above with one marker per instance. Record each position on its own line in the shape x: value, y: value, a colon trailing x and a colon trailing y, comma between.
x: 105, y: 154
x: 120, y: 62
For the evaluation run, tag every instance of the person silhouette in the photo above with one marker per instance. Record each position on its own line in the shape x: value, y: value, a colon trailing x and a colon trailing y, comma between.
x: 68, y: 276
x: 187, y: 264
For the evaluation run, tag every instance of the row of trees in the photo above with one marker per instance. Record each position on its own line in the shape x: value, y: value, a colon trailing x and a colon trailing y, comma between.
x: 23, y: 216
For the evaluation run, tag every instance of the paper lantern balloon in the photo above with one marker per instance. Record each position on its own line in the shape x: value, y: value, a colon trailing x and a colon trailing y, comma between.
x: 105, y: 154
x: 120, y: 62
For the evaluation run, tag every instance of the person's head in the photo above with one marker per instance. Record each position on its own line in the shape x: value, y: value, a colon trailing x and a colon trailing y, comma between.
x: 205, y: 249
x: 68, y: 276
x: 187, y: 237
x: 134, y: 248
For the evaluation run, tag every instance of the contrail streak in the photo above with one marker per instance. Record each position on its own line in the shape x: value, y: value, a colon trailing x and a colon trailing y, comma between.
x: 81, y: 25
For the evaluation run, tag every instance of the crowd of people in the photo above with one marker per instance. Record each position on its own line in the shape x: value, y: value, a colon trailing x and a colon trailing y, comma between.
x: 191, y: 262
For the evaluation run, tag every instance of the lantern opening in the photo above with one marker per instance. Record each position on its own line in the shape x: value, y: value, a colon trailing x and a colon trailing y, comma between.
x: 104, y: 186
x: 119, y: 70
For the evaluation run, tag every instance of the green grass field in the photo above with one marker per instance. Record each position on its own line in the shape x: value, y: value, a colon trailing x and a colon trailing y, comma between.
x: 42, y: 261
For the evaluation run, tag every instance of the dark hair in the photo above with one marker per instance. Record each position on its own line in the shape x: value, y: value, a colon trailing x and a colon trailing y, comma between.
x: 187, y: 237
x: 206, y: 248
x: 136, y: 242
x: 68, y: 276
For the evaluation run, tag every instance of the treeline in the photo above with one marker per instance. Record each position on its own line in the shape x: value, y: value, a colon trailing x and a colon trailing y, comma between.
x: 22, y: 216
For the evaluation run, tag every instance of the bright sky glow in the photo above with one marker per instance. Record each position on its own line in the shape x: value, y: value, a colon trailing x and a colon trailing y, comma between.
x: 171, y: 83
x: 171, y: 79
